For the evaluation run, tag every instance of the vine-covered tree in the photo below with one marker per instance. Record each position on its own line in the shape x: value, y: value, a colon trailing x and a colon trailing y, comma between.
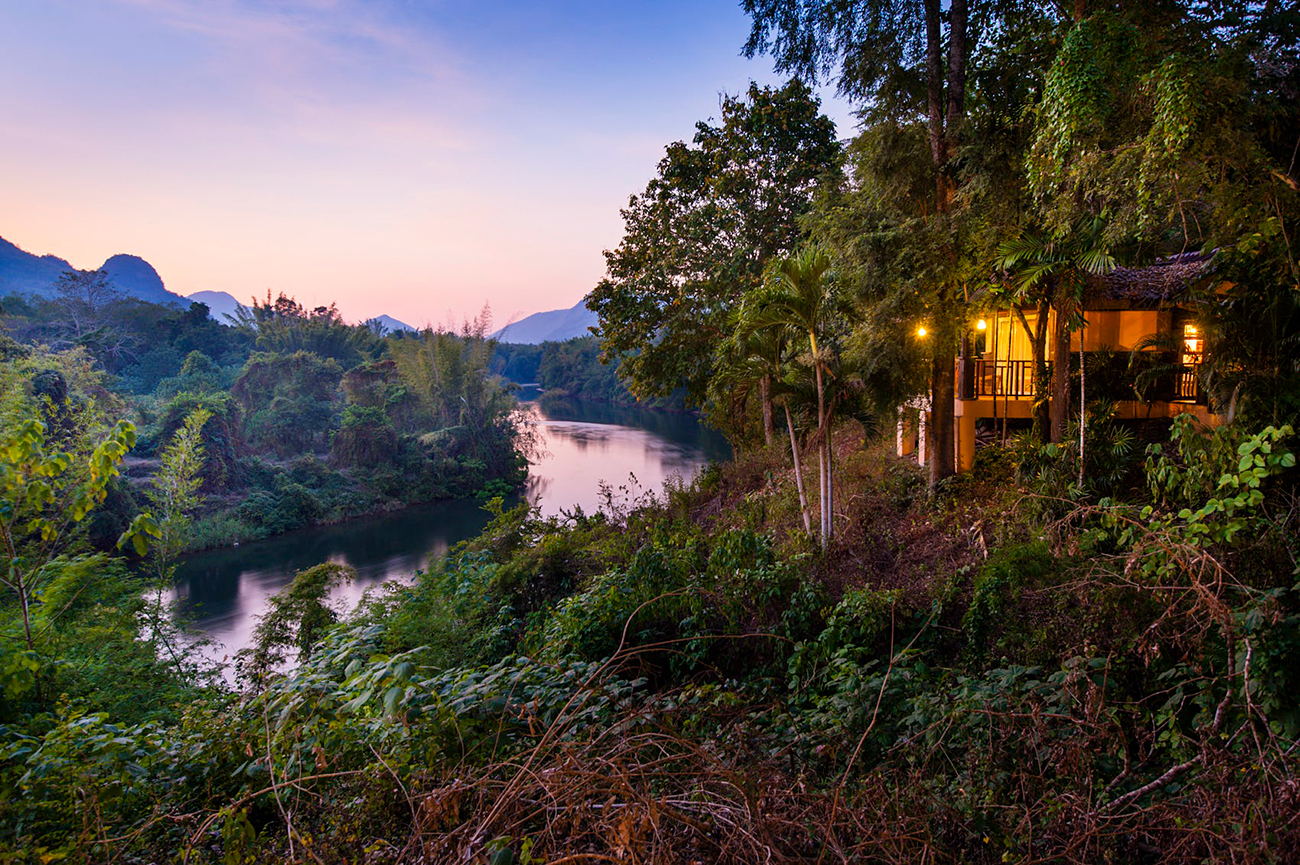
x: 700, y: 234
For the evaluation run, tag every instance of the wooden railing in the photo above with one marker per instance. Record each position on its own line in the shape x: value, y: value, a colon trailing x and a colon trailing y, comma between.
x: 1014, y: 379
x: 978, y: 379
x: 1187, y: 383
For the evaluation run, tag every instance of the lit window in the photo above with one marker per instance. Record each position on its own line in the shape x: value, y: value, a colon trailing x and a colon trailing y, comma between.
x: 1193, y: 344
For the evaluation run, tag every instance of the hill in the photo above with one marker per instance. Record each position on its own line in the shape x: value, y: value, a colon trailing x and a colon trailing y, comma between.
x: 22, y: 272
x: 221, y: 304
x: 556, y: 325
x: 391, y: 324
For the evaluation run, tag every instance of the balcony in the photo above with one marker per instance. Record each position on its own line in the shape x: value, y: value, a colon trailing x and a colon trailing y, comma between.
x: 1111, y: 377
x: 986, y: 379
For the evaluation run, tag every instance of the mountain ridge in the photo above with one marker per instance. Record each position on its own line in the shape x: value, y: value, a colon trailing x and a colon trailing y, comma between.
x: 556, y: 325
x: 23, y: 272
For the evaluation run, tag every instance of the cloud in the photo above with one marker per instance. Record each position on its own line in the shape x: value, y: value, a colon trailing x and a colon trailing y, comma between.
x: 313, y: 52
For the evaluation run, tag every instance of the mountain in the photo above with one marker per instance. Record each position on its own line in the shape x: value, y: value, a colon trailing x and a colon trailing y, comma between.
x: 133, y: 275
x: 24, y: 273
x: 220, y: 304
x: 554, y: 326
x: 389, y: 324
x: 21, y: 272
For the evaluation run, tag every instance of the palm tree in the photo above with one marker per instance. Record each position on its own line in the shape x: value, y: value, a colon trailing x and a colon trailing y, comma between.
x: 797, y: 295
x: 1058, y: 268
x: 755, y: 355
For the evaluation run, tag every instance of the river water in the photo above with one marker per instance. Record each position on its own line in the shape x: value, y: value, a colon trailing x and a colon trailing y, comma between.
x: 579, y: 447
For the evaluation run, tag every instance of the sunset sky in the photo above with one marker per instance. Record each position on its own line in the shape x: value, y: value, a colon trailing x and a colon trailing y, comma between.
x: 410, y: 158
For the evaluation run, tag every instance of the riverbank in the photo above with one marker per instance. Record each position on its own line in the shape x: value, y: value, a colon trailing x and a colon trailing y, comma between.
x: 578, y: 452
x: 306, y: 492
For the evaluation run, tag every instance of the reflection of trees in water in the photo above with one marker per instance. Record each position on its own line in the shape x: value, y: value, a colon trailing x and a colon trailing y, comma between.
x: 536, y: 487
x: 584, y: 437
x: 675, y: 427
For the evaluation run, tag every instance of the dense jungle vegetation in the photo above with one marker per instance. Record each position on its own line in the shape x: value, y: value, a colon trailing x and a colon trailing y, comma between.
x: 1085, y: 649
x: 308, y: 419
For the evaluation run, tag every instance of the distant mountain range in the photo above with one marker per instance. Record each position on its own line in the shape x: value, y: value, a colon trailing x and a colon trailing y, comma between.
x: 21, y: 272
x: 554, y: 326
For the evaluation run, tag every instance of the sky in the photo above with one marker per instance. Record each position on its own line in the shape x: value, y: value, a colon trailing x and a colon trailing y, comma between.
x: 418, y: 158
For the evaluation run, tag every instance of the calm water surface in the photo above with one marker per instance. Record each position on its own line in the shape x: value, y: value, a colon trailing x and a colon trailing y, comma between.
x: 580, y: 445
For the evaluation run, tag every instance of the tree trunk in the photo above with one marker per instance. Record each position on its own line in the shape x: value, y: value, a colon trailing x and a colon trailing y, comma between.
x: 824, y: 463
x: 1038, y: 352
x: 1061, y: 368
x: 765, y: 394
x: 798, y: 474
x: 943, y: 374
x: 830, y: 483
x: 1083, y: 404
x: 943, y: 128
x: 934, y: 88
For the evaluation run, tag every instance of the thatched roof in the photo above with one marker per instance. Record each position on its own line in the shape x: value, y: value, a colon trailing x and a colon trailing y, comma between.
x: 1160, y: 282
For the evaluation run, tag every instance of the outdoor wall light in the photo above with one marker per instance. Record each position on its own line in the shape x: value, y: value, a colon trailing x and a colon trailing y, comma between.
x: 981, y: 325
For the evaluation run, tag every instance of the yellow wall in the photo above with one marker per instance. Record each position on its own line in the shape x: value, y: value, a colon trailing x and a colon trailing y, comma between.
x: 1116, y: 330
x: 1106, y: 330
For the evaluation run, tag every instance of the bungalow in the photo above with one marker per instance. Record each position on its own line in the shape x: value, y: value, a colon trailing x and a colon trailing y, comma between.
x: 1135, y: 318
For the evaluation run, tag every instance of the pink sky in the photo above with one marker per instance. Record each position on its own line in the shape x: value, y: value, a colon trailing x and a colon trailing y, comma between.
x: 411, y: 161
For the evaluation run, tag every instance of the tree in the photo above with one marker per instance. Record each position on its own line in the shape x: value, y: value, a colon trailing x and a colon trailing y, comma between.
x: 1062, y: 266
x: 884, y: 50
x: 85, y: 297
x: 44, y: 495
x: 174, y: 497
x: 798, y: 294
x: 284, y: 326
x: 297, y: 618
x: 288, y: 400
x: 757, y: 354
x: 697, y: 239
x: 1179, y: 130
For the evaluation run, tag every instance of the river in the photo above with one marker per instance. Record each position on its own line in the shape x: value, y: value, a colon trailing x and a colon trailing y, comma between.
x: 579, y: 446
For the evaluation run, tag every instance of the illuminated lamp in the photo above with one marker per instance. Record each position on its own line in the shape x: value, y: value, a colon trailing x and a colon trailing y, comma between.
x: 920, y: 331
x: 981, y: 325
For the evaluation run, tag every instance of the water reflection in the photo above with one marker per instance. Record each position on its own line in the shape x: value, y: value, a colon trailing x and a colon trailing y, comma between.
x: 581, y: 446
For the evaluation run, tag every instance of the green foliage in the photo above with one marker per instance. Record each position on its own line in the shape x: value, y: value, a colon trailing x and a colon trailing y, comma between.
x: 990, y: 622
x: 43, y: 495
x: 695, y: 241
x: 284, y: 327
x: 364, y: 439
x: 288, y: 400
x: 296, y: 618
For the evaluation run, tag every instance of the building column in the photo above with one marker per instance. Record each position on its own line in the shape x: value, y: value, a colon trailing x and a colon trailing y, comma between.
x: 965, y: 443
x: 922, y: 437
x: 906, y: 436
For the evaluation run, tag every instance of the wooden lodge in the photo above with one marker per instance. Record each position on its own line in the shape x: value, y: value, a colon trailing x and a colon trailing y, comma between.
x: 1135, y: 319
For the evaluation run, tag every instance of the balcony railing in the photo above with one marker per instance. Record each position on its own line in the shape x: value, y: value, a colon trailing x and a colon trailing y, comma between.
x: 1115, y: 379
x: 979, y: 379
x: 1187, y: 383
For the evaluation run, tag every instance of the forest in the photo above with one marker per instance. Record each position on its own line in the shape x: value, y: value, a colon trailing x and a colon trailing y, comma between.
x: 307, y: 419
x: 1080, y: 643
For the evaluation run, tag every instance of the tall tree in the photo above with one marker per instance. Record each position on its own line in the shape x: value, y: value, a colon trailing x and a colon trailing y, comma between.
x: 798, y: 294
x: 696, y: 240
x: 883, y: 51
